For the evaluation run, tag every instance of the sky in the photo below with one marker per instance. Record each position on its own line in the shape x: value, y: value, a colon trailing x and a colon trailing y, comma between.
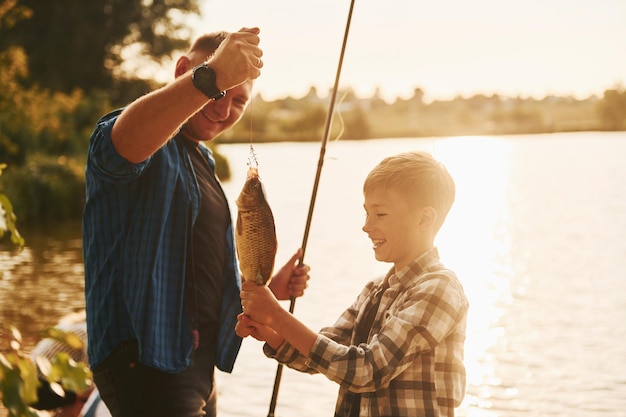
x: 448, y: 48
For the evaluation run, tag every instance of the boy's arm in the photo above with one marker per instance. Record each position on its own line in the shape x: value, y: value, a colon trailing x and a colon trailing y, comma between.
x: 291, y: 279
x: 261, y: 306
x: 275, y: 346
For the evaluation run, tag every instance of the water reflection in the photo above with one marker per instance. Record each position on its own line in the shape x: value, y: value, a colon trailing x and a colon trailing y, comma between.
x: 44, y: 281
x: 536, y: 236
x: 476, y: 243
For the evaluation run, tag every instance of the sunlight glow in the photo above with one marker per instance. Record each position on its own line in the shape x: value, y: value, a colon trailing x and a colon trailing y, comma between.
x: 472, y: 239
x: 531, y: 48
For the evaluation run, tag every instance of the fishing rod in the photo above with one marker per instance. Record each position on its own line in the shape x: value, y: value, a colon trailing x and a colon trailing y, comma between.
x: 329, y: 119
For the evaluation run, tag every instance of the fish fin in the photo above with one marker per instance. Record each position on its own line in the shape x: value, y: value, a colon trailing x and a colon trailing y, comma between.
x: 239, y: 226
x: 259, y: 278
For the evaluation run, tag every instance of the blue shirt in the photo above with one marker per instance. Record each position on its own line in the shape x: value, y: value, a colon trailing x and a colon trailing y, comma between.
x: 137, y: 225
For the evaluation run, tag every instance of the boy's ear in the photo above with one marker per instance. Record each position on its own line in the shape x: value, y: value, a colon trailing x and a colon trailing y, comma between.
x: 428, y: 216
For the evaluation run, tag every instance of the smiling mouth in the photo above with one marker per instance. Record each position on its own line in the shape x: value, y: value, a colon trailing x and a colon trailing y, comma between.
x: 378, y: 242
x: 207, y: 117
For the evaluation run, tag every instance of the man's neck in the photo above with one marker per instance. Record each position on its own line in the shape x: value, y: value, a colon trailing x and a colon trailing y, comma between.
x: 188, y: 133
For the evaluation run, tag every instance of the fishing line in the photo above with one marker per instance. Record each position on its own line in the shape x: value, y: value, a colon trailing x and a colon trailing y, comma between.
x: 252, y: 155
x: 342, y: 123
x: 329, y: 119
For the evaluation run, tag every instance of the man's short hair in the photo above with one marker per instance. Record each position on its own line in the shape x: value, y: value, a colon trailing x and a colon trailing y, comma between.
x: 208, y: 42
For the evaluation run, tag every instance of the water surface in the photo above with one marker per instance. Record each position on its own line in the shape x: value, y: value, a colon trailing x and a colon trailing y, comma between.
x: 536, y: 236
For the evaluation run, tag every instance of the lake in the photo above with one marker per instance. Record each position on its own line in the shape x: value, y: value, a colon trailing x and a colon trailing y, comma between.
x: 536, y: 236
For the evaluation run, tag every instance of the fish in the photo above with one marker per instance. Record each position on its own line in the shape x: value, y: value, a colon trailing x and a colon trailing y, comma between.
x: 255, y: 231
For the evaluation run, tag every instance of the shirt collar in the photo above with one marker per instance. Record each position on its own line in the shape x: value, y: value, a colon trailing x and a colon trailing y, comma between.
x: 414, y: 269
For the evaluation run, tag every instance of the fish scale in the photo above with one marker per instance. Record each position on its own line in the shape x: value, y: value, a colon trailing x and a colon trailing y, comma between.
x: 255, y: 231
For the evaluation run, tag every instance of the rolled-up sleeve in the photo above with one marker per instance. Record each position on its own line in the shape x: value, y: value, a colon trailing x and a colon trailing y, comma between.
x: 104, y: 161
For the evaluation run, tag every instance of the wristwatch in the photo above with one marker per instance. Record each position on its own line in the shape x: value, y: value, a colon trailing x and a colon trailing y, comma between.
x: 203, y: 78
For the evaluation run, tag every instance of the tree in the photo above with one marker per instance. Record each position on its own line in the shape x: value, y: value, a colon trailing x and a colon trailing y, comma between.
x: 43, y: 135
x: 612, y: 109
x: 77, y: 43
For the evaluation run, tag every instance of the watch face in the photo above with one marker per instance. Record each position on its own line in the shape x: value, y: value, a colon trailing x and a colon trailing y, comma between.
x: 204, y: 80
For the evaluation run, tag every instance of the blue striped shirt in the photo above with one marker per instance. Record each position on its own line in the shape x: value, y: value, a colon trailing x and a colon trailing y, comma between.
x: 137, y: 223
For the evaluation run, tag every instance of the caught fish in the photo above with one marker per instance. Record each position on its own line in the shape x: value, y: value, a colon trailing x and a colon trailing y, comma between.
x: 255, y: 234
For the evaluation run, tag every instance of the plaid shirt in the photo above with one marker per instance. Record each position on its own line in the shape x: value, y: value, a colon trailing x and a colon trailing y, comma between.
x: 412, y: 364
x: 137, y: 223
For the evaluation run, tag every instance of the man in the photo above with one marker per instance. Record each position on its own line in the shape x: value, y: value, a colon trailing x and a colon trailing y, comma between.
x: 161, y: 276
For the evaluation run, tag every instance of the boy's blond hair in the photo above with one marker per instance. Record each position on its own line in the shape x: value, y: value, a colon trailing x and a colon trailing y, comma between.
x: 419, y: 177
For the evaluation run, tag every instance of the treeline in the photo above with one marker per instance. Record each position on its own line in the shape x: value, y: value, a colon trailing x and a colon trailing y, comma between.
x: 371, y: 117
x: 55, y: 84
x: 60, y: 70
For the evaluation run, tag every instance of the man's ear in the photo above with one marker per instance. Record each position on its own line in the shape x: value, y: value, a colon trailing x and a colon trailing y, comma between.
x: 428, y: 215
x: 182, y: 66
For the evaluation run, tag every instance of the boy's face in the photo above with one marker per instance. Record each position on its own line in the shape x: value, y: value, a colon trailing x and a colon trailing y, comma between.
x: 395, y: 226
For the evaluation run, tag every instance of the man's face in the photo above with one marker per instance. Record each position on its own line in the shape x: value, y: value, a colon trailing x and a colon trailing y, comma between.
x: 218, y: 116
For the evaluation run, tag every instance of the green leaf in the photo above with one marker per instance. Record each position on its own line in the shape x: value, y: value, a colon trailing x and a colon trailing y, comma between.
x: 30, y: 382
x: 10, y: 390
x: 68, y: 338
x: 8, y: 219
x: 19, y: 376
x: 17, y: 335
x: 4, y: 363
x: 43, y: 364
x: 57, y: 388
x: 14, y: 345
x: 74, y: 376
x: 17, y: 386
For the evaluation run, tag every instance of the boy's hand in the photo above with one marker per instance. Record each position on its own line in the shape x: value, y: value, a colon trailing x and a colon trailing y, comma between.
x: 247, y: 327
x: 258, y: 303
x: 290, y: 280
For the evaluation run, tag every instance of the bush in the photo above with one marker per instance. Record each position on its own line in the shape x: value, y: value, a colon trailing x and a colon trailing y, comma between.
x: 19, y: 373
x: 7, y: 220
x: 46, y: 189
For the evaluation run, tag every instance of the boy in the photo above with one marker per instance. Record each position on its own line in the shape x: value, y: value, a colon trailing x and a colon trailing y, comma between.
x: 407, y: 360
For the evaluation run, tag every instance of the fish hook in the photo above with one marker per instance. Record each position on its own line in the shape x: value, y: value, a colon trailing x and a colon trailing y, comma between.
x: 252, y: 159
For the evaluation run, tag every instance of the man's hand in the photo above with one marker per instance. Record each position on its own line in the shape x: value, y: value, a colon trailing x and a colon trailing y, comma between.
x: 238, y: 59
